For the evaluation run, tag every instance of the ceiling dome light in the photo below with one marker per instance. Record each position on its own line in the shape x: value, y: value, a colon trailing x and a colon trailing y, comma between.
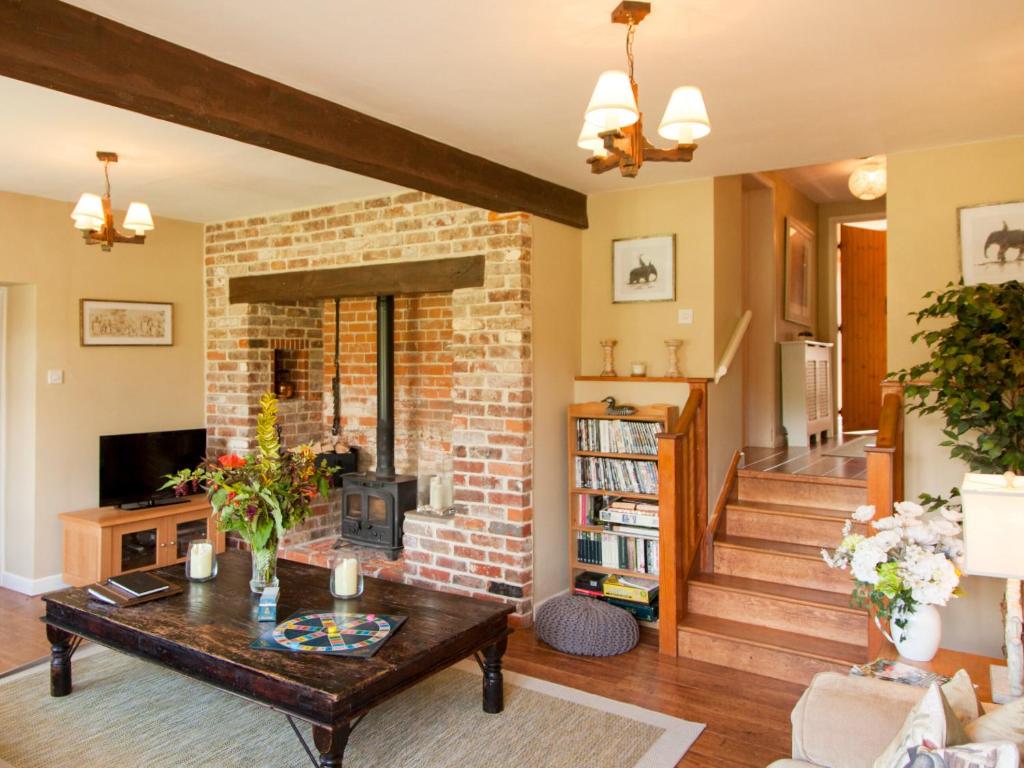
x: 612, y: 105
x: 686, y: 117
x: 869, y: 180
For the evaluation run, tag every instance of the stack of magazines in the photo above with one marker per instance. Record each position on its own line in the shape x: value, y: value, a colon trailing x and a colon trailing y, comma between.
x: 898, y: 672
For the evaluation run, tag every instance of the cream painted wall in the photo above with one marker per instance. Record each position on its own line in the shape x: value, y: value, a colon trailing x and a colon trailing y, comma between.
x: 106, y: 390
x: 925, y: 190
x: 685, y: 210
x: 556, y: 340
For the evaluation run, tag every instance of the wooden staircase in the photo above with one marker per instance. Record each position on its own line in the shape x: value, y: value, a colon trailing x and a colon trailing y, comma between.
x: 764, y: 600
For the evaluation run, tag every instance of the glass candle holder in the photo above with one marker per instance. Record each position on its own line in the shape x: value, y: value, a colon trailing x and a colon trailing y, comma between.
x: 346, y: 577
x: 201, y: 560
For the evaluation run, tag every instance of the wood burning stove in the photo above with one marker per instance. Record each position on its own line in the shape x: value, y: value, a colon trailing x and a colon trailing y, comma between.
x: 373, y: 504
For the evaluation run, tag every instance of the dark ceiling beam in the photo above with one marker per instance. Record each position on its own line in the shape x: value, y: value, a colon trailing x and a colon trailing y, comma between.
x: 432, y: 276
x: 65, y: 48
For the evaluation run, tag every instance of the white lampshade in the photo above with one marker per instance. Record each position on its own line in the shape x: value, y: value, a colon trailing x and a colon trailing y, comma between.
x: 869, y: 181
x: 88, y: 213
x: 993, y: 507
x: 590, y: 141
x: 686, y: 117
x: 612, y: 105
x: 138, y: 218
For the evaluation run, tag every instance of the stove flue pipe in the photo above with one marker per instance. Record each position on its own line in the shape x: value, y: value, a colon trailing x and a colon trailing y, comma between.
x: 385, y: 386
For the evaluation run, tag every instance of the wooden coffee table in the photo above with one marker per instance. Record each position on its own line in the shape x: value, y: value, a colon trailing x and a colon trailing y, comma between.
x: 205, y: 633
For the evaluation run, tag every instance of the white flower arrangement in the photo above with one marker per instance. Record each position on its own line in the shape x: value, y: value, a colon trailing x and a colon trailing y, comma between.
x: 913, y: 559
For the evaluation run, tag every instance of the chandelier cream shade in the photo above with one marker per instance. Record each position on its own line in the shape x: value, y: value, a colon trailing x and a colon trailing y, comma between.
x: 869, y: 180
x: 94, y: 217
x: 612, y: 105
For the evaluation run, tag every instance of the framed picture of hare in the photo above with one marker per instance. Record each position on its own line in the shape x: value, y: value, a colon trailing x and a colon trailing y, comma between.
x: 799, y: 273
x: 126, y: 323
x: 992, y: 243
x: 644, y: 269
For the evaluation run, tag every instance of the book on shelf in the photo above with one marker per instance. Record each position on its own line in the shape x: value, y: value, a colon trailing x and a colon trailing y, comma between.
x: 618, y: 436
x: 623, y: 517
x: 642, y: 611
x: 625, y: 475
x: 591, y: 584
x: 630, y: 588
x: 634, y: 506
x: 620, y: 551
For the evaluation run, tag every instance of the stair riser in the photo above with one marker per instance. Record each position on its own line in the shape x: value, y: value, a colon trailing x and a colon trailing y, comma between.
x: 815, y: 532
x: 801, y: 493
x: 771, y: 662
x: 782, y: 569
x: 767, y: 611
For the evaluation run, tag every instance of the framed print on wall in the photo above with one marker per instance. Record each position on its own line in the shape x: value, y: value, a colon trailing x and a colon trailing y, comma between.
x: 799, y: 273
x: 644, y: 269
x: 992, y: 243
x: 126, y: 323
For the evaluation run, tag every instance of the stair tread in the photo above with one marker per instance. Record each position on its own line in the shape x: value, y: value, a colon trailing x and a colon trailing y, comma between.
x: 777, y: 639
x: 832, y: 600
x: 773, y: 547
x: 790, y: 510
x: 852, y: 482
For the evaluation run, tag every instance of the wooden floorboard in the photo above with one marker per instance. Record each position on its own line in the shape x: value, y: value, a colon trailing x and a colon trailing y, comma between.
x: 747, y: 716
x: 805, y: 460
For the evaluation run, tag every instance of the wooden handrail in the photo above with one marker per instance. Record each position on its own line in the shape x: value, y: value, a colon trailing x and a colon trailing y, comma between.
x: 885, y: 476
x: 682, y: 507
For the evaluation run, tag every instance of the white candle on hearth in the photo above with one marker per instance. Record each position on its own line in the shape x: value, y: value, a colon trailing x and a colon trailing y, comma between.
x: 448, y: 491
x: 436, y: 494
x: 346, y: 576
x: 201, y: 562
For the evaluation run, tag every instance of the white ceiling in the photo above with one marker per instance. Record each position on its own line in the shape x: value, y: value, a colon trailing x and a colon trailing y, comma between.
x: 824, y: 182
x: 787, y: 83
x: 48, y: 144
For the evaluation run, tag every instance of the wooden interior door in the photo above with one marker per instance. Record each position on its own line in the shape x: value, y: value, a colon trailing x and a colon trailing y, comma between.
x: 863, y: 307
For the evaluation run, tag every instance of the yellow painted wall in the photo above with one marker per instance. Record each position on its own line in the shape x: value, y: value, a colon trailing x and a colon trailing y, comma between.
x: 685, y: 210
x: 925, y: 189
x: 106, y: 390
x: 555, y: 268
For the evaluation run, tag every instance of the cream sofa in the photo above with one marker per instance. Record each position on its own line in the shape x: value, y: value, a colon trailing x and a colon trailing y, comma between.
x: 843, y: 721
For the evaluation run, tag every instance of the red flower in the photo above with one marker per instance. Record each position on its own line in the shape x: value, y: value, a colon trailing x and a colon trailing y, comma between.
x: 231, y: 461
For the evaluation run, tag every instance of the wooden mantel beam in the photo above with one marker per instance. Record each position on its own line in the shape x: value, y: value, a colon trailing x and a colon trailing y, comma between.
x: 65, y: 48
x: 433, y: 276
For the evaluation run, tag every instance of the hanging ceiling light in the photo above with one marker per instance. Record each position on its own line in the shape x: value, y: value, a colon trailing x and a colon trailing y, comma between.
x: 869, y: 179
x: 95, y: 219
x: 613, y: 123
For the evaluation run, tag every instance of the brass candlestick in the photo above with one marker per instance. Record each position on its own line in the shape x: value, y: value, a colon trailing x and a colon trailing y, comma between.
x: 608, y: 345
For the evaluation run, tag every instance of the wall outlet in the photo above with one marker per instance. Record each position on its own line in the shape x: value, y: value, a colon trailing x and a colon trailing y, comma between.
x: 686, y: 317
x: 55, y: 376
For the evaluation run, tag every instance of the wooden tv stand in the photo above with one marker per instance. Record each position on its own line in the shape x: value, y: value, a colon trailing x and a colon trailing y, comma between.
x: 105, y: 541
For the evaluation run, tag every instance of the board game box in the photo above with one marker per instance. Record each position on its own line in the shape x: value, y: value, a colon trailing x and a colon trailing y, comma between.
x: 357, y: 635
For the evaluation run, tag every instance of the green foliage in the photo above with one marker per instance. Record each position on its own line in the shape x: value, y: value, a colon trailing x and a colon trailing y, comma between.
x: 974, y: 373
x: 262, y: 495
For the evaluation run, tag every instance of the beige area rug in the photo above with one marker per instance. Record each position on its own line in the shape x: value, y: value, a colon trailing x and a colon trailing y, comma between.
x: 851, y: 449
x: 126, y: 712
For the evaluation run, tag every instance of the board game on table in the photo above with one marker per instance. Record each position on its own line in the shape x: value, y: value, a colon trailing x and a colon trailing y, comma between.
x: 206, y: 633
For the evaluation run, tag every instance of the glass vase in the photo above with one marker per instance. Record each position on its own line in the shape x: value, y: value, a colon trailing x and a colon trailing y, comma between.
x: 264, y: 568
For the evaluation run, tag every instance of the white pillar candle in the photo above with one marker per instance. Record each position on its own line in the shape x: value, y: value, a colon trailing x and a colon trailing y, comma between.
x: 436, y: 494
x: 201, y: 562
x: 346, y: 576
x: 448, y: 491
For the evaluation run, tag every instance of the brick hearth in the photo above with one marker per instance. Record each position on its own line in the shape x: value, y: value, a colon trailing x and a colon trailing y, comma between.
x: 463, y: 376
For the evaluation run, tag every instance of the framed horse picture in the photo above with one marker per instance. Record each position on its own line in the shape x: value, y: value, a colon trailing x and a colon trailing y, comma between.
x: 992, y: 243
x: 644, y: 269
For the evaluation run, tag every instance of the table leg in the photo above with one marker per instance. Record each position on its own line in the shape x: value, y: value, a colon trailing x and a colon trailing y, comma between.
x: 494, y: 693
x: 330, y: 743
x: 60, y: 660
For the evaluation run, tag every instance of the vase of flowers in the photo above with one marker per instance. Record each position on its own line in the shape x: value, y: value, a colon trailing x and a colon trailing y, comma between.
x: 907, y: 567
x: 262, y: 495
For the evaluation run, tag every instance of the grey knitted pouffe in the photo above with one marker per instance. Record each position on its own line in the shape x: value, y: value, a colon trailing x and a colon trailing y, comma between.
x: 584, y: 626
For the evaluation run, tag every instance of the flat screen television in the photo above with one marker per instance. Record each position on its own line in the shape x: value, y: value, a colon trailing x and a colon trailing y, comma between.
x: 132, y: 467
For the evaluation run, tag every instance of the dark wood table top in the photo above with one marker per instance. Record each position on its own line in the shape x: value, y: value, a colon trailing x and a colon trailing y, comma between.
x: 205, y: 633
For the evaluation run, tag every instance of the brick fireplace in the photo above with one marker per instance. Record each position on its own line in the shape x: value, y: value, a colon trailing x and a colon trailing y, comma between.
x: 463, y: 375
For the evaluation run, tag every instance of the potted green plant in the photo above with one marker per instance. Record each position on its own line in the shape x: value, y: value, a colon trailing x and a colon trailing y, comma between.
x: 261, y: 495
x: 974, y: 374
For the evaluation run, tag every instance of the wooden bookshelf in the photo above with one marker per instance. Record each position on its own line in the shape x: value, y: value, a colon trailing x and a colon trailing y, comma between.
x: 662, y: 415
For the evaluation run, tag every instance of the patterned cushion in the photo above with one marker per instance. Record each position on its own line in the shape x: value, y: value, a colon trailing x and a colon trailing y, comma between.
x: 932, y: 724
x: 993, y: 754
x: 584, y: 626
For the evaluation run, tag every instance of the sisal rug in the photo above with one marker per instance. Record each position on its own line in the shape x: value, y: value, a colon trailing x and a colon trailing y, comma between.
x: 126, y: 712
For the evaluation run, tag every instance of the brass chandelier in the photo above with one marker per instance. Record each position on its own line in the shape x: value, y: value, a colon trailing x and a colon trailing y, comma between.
x: 613, y: 124
x: 95, y: 219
